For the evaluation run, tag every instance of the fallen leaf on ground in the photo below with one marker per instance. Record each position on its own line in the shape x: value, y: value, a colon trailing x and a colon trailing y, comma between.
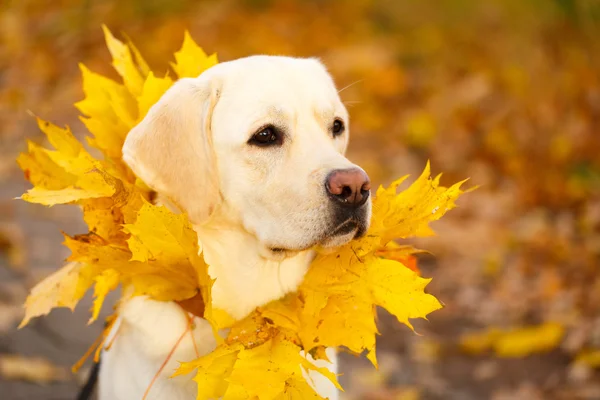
x: 514, y: 343
x: 32, y: 369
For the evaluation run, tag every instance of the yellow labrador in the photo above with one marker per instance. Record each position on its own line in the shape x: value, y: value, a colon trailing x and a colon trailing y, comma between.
x: 252, y: 150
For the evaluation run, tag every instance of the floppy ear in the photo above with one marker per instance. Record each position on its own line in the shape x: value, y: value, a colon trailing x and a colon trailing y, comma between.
x: 171, y: 148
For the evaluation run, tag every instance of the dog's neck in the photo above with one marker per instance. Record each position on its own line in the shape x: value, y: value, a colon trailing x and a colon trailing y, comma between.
x: 246, y: 274
x: 244, y: 277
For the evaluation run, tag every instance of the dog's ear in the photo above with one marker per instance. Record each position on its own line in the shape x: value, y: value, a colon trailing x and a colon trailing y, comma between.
x: 171, y: 148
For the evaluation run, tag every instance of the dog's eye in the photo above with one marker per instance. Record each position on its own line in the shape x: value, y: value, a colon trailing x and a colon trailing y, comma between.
x: 268, y: 136
x: 337, y: 128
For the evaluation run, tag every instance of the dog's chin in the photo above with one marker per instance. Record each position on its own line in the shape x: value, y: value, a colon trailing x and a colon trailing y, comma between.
x: 338, y: 240
x: 277, y: 253
x: 342, y: 234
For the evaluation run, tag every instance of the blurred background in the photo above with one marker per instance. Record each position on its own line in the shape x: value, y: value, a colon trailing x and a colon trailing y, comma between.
x: 506, y: 92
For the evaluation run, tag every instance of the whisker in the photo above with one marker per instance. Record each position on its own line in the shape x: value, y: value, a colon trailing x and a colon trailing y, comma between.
x: 351, y: 103
x: 352, y: 84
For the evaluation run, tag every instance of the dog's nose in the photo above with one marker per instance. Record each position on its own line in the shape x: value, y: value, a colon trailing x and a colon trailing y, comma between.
x: 349, y: 187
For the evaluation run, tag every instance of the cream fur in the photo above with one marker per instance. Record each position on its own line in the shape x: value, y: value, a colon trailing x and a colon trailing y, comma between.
x: 244, y: 202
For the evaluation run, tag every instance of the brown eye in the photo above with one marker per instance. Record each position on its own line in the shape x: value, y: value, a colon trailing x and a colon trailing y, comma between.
x: 338, y: 128
x: 268, y: 136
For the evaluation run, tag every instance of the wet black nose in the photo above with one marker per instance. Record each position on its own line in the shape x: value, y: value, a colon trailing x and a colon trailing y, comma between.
x: 348, y: 187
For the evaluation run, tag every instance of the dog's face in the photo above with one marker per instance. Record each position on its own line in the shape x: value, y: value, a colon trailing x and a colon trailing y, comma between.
x: 261, y: 139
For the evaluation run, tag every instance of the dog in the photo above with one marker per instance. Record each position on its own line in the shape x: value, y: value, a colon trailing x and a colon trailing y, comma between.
x: 253, y: 151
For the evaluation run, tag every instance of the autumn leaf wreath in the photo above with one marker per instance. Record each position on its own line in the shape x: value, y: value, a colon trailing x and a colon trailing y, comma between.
x: 333, y: 307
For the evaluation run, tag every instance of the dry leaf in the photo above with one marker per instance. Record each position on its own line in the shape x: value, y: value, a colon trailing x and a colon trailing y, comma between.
x: 36, y: 370
x: 590, y: 358
x: 516, y: 342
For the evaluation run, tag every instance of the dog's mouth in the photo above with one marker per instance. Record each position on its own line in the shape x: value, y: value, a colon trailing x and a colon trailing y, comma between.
x: 278, y: 250
x: 349, y: 228
x: 343, y: 233
x: 345, y: 228
x: 278, y: 253
x: 340, y: 235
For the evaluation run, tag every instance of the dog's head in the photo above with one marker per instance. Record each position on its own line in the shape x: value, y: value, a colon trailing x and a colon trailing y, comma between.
x: 262, y: 139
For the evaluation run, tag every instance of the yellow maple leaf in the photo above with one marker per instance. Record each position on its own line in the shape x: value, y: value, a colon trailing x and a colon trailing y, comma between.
x: 107, y: 99
x: 152, y: 90
x: 399, y: 290
x: 166, y: 246
x: 137, y: 57
x: 158, y: 233
x: 269, y: 370
x: 79, y: 175
x: 109, y: 112
x: 212, y: 371
x: 176, y: 272
x: 273, y: 369
x: 191, y: 60
x: 41, y: 171
x: 125, y: 63
x: 408, y: 213
x: 107, y: 281
x: 342, y: 291
x: 105, y: 219
x: 64, y: 288
x: 343, y: 321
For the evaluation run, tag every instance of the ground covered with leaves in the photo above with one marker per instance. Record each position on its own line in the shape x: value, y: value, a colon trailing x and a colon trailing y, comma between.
x: 506, y: 92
